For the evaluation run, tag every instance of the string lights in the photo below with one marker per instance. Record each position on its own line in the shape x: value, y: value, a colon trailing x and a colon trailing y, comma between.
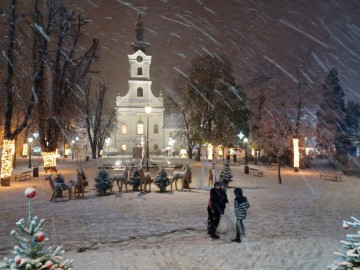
x: 7, y: 159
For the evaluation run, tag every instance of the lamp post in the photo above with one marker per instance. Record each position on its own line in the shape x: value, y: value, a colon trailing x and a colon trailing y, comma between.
x: 72, y: 149
x: 107, y: 142
x: 246, y: 141
x: 148, y: 111
x: 30, y: 140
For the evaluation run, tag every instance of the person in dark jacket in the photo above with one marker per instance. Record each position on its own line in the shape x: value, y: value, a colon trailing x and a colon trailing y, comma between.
x: 241, y: 205
x: 216, y: 208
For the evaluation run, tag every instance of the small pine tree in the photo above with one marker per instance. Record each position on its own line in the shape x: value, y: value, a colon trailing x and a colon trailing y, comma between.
x: 162, y: 180
x: 30, y: 253
x: 350, y: 257
x: 60, y: 179
x: 226, y: 175
x: 102, y: 182
x: 135, y: 180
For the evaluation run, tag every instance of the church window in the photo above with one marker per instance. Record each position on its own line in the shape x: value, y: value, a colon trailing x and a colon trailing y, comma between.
x: 123, y: 128
x: 140, y: 92
x: 156, y: 128
x: 139, y: 71
x: 156, y: 147
x: 140, y: 128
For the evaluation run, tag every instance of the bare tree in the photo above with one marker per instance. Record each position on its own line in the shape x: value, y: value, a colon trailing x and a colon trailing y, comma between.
x: 279, y: 112
x: 99, y: 123
x: 39, y: 53
x: 68, y: 64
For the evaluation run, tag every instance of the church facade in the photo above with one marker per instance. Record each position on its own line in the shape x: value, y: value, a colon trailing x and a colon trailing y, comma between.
x: 141, y: 116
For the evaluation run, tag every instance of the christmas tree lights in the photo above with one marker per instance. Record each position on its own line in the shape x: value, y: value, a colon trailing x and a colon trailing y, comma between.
x: 31, y: 253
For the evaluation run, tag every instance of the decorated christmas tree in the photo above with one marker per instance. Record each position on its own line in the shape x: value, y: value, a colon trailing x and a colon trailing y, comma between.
x: 31, y: 253
x: 135, y: 180
x: 102, y: 182
x: 349, y: 258
x: 225, y: 176
x: 162, y: 180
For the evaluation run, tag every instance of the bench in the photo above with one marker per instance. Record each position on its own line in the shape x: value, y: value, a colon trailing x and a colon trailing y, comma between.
x: 255, y: 172
x: 273, y: 166
x: 23, y: 176
x: 106, y: 166
x: 326, y: 175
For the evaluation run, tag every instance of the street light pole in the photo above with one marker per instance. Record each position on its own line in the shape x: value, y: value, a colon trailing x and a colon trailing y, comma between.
x: 30, y: 140
x: 245, y: 141
x: 148, y: 111
x: 72, y: 149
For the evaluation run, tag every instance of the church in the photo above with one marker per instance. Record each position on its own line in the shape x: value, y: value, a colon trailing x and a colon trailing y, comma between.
x: 141, y: 116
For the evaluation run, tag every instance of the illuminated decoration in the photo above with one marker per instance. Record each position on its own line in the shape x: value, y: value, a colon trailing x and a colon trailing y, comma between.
x: 220, y: 151
x: 252, y: 151
x: 210, y: 149
x: 25, y: 150
x: 182, y: 152
x: 49, y: 159
x: 296, y: 152
x: 7, y: 161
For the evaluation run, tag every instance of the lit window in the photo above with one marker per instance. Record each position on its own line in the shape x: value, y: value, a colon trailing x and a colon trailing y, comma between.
x: 156, y: 128
x: 140, y: 92
x: 123, y: 147
x: 123, y: 128
x: 140, y: 128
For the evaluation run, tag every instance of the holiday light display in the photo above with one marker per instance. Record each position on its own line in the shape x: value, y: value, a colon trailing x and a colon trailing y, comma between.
x: 49, y: 159
x: 296, y: 153
x: 7, y: 160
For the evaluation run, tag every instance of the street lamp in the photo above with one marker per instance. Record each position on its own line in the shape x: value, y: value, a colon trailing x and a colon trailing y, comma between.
x: 148, y: 111
x: 107, y: 142
x: 72, y: 149
x: 30, y: 140
x: 246, y: 141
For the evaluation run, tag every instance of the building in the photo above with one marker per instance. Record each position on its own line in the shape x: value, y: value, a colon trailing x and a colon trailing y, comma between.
x: 134, y: 124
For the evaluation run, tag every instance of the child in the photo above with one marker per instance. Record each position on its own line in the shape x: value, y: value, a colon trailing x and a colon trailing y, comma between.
x: 240, y: 211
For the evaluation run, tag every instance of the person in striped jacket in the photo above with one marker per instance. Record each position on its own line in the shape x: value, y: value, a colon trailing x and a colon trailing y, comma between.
x: 241, y: 206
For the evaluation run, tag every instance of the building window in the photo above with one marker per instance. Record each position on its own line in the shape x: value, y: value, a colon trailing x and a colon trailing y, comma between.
x: 139, y: 71
x: 156, y: 147
x: 140, y: 128
x: 140, y: 92
x: 123, y: 128
x: 156, y: 128
x: 123, y: 147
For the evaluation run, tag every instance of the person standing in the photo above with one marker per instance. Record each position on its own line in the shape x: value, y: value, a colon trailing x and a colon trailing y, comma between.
x: 241, y: 205
x: 216, y: 208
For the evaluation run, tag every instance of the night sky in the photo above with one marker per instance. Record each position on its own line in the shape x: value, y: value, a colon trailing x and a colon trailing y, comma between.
x: 316, y: 33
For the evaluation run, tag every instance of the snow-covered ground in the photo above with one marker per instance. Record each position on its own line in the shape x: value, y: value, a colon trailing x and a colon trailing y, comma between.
x: 296, y: 225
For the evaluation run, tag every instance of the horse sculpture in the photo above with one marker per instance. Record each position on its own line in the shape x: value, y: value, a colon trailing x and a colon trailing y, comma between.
x: 59, y: 187
x: 184, y: 175
x: 80, y: 183
x: 145, y: 179
x: 122, y: 178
